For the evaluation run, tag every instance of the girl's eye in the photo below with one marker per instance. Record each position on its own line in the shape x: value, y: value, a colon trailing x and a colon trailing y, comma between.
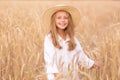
x: 59, y: 17
x: 65, y: 17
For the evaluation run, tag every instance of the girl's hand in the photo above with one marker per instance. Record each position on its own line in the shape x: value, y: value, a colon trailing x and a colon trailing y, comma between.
x: 95, y: 65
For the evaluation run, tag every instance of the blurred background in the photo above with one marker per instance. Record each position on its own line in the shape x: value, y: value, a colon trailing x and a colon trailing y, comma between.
x: 22, y: 37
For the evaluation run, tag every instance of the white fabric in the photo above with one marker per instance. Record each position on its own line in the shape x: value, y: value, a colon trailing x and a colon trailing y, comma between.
x: 57, y: 60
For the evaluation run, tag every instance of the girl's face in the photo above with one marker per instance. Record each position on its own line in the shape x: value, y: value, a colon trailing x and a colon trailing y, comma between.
x: 61, y: 20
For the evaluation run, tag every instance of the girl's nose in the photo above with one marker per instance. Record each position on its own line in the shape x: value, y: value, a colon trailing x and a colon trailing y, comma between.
x: 62, y: 19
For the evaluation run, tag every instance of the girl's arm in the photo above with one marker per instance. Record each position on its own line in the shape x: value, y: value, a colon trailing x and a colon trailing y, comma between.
x: 82, y: 57
x: 49, y: 52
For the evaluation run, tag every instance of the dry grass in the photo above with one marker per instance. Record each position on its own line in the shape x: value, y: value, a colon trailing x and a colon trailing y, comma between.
x: 22, y: 35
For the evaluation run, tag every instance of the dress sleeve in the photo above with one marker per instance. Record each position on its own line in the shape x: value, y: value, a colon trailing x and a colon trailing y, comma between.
x: 83, y: 58
x: 49, y: 58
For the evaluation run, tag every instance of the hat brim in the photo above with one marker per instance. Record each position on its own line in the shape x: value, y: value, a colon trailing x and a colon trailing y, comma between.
x: 72, y: 10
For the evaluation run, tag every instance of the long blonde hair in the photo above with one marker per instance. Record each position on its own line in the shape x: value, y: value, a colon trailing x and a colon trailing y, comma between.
x: 69, y: 31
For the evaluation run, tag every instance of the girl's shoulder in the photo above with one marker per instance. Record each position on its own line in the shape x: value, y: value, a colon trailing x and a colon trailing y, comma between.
x: 48, y: 36
x: 77, y: 40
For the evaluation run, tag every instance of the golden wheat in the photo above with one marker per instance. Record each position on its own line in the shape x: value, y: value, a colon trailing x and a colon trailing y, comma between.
x: 22, y: 36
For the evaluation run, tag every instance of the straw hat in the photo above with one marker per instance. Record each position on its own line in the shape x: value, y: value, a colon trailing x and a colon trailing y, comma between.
x: 72, y: 10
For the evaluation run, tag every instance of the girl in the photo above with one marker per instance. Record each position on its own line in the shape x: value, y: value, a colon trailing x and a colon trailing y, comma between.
x: 62, y: 50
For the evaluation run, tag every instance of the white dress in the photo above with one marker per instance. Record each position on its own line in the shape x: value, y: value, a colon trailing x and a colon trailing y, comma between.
x: 62, y: 60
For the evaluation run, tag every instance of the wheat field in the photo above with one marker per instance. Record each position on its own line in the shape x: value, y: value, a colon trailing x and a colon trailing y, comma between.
x: 22, y: 37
